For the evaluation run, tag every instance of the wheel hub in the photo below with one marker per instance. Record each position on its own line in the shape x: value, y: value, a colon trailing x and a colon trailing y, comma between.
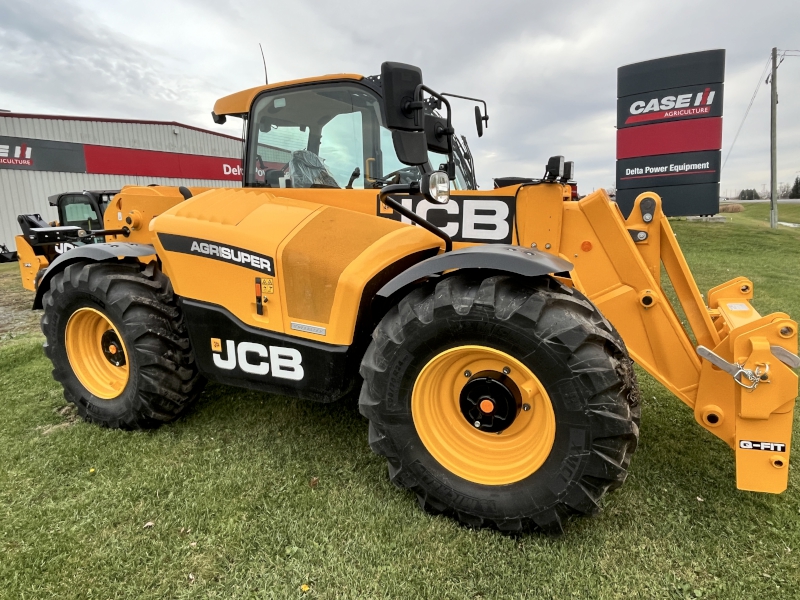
x: 112, y: 348
x: 489, y: 402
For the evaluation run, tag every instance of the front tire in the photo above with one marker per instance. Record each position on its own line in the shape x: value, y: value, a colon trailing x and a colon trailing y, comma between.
x: 534, y: 352
x: 119, y: 345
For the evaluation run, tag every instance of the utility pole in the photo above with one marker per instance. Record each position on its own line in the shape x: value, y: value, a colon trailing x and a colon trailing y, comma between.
x: 773, y: 154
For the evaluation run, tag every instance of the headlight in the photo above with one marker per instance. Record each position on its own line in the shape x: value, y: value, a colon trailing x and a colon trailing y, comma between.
x: 436, y: 187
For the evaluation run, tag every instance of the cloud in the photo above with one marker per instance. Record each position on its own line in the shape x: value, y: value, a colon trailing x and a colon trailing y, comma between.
x: 547, y: 70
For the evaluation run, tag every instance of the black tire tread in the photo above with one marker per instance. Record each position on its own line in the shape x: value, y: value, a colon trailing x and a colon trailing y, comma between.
x: 168, y: 381
x: 562, y: 316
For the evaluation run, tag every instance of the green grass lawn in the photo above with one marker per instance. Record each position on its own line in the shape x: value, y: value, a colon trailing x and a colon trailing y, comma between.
x: 228, y: 490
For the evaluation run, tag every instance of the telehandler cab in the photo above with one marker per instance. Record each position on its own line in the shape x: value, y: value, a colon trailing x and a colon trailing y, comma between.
x: 492, y: 341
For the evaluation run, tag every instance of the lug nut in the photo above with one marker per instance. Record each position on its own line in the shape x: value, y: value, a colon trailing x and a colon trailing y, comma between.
x: 526, y: 407
x: 477, y: 424
x: 506, y: 370
x: 467, y: 373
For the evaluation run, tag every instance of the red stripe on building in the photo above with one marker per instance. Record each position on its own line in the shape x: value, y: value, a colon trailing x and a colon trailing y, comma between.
x: 670, y: 138
x: 107, y: 160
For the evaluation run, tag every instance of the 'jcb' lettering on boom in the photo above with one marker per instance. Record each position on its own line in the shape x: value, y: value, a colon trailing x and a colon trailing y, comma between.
x: 257, y: 359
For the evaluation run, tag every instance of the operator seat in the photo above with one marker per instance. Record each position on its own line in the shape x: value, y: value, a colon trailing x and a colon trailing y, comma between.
x: 307, y: 170
x: 272, y: 177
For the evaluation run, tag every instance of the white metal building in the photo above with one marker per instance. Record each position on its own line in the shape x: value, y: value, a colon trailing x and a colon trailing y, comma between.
x: 42, y: 155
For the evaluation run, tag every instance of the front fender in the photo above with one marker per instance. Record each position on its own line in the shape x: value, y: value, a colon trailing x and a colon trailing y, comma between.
x: 91, y: 253
x: 497, y: 257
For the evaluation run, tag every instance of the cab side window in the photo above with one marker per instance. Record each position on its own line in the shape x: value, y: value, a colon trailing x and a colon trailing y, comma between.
x: 327, y: 136
x: 79, y: 212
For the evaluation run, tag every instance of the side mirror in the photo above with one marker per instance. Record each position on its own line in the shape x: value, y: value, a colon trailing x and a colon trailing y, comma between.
x: 436, y: 135
x: 479, y: 121
x: 400, y: 83
x: 436, y: 187
x: 410, y: 147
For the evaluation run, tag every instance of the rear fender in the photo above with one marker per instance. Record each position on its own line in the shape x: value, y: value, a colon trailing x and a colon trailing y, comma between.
x: 91, y: 253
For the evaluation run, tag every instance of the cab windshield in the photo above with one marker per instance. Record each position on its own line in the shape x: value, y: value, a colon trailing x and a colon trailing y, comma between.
x: 326, y: 136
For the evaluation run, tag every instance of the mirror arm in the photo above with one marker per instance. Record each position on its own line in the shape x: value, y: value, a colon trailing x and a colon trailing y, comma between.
x: 449, y: 131
x: 485, y: 108
x: 411, y: 188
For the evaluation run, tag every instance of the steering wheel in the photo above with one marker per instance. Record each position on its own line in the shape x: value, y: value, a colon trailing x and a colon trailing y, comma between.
x: 404, y: 175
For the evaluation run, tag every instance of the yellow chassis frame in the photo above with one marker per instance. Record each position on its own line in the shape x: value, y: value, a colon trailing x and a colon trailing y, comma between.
x: 622, y: 276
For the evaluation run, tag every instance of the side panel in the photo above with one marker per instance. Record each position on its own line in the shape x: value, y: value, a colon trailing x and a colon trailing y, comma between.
x: 281, y: 264
x: 330, y: 259
x: 206, y: 245
x: 471, y: 217
x: 231, y: 352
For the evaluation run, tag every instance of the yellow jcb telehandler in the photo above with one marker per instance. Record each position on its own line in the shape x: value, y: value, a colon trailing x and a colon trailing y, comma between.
x: 491, y: 332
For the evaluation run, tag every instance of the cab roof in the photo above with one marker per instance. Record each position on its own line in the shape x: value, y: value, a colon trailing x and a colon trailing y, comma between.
x: 240, y: 102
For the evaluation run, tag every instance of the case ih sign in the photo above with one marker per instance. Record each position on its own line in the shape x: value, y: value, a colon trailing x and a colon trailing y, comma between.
x: 669, y: 131
x: 66, y: 157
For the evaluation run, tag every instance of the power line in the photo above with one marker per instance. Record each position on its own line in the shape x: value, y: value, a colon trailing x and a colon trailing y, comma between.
x: 755, y: 93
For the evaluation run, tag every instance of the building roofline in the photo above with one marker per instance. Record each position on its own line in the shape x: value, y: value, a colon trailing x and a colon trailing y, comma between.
x: 14, y: 115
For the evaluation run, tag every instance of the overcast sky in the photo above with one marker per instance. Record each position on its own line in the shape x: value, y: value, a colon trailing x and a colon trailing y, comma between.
x: 547, y: 69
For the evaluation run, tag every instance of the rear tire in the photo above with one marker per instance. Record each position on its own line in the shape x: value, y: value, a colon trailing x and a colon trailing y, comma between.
x: 157, y: 379
x: 547, y: 329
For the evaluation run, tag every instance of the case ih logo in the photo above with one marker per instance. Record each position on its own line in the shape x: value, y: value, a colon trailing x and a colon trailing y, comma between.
x: 672, y: 107
x: 21, y: 155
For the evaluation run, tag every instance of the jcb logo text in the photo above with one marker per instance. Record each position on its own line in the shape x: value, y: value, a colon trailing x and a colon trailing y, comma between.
x: 257, y: 359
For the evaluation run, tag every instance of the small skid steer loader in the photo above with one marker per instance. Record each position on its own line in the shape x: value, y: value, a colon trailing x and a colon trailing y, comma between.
x: 492, y: 333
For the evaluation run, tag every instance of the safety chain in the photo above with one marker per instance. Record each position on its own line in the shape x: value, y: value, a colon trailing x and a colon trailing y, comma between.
x: 754, y: 377
x: 736, y: 370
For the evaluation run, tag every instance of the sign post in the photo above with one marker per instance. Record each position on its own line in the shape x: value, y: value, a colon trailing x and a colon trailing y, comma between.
x: 669, y: 132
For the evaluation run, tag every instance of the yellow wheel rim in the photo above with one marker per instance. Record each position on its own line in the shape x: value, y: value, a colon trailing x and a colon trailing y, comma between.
x: 479, y: 456
x: 92, y: 344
